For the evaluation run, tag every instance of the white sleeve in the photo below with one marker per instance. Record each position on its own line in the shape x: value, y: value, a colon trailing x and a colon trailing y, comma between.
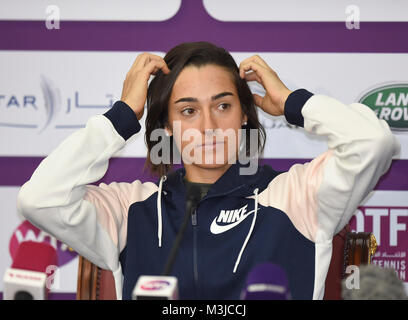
x: 60, y: 199
x: 321, y: 196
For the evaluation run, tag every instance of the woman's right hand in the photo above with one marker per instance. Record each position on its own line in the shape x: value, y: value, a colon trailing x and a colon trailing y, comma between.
x: 134, y: 90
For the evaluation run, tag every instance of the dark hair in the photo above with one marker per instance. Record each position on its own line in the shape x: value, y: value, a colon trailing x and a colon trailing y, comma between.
x: 158, y: 94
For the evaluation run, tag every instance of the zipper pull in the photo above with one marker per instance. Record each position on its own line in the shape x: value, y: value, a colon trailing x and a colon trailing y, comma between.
x: 194, y: 217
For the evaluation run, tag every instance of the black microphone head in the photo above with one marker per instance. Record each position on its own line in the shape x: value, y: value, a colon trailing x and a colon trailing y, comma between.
x: 23, y: 295
x: 373, y: 283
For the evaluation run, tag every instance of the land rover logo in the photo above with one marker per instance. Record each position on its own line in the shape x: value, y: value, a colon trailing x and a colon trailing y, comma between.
x: 390, y: 103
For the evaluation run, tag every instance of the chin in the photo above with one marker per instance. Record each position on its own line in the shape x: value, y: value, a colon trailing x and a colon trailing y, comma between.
x: 213, y: 161
x: 211, y: 166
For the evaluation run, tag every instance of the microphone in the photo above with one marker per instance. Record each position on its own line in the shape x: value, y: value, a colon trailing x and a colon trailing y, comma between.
x: 267, y: 281
x: 165, y: 287
x: 156, y: 288
x: 193, y: 197
x: 374, y: 283
x: 162, y: 287
x: 27, y: 277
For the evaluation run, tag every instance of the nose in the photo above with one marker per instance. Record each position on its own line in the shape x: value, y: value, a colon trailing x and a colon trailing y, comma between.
x: 208, y: 123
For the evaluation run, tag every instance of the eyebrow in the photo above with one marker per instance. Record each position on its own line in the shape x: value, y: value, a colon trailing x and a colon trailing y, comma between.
x: 213, y: 98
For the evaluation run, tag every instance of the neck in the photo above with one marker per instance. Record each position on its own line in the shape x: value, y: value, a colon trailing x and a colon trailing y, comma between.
x: 204, y: 175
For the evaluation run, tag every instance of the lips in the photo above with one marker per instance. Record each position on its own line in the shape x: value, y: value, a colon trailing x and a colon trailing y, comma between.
x: 210, y: 145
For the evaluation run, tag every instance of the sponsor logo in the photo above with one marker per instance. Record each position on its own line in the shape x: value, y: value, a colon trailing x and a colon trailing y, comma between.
x: 28, y: 232
x: 12, y: 104
x: 390, y: 103
x: 25, y: 277
x: 385, y: 215
x: 228, y: 219
x: 49, y: 109
x: 155, y: 285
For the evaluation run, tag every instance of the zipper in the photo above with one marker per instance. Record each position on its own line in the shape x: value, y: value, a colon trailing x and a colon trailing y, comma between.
x: 224, y: 193
x: 194, y: 224
x: 195, y: 254
x: 194, y: 217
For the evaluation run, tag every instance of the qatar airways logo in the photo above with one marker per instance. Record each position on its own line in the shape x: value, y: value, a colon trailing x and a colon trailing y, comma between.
x: 228, y: 219
x: 13, y: 105
x: 24, y: 277
x: 155, y: 285
x: 51, y: 109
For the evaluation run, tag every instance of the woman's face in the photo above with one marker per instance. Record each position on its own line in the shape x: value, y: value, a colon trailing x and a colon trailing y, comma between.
x: 205, y: 115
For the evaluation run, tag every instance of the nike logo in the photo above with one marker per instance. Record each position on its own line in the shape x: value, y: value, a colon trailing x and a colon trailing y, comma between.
x: 230, y: 219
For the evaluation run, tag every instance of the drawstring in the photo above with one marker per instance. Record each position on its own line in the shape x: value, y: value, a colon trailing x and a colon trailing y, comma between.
x: 160, y: 227
x: 159, y: 210
x: 250, y: 231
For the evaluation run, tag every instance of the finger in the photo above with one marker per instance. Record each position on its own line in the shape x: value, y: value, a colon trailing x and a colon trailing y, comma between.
x: 163, y: 66
x: 252, y: 76
x: 160, y: 65
x: 139, y: 61
x: 137, y: 64
x: 246, y: 60
x: 258, y: 100
x: 243, y: 62
x: 160, y: 60
x: 252, y: 65
x: 255, y: 58
x: 154, y: 56
x: 144, y: 59
x: 155, y: 65
x: 260, y: 61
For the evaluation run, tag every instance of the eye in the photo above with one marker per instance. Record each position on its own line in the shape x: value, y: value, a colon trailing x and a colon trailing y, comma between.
x: 223, y: 106
x: 187, y: 111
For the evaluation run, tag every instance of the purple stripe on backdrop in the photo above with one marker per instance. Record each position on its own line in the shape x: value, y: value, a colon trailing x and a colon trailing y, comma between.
x: 17, y: 170
x: 192, y: 23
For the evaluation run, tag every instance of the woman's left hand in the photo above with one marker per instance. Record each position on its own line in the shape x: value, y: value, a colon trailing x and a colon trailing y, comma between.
x: 276, y: 92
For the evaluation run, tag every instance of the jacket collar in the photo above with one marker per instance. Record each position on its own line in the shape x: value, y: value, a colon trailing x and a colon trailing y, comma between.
x: 232, y: 182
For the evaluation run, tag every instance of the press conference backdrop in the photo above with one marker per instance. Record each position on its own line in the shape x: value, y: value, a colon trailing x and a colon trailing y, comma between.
x: 55, y: 74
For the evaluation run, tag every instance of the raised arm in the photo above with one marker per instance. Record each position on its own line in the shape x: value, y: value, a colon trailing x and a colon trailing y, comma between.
x: 321, y: 196
x: 59, y: 197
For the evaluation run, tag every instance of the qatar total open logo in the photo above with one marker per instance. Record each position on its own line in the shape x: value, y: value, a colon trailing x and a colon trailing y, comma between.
x: 155, y: 285
x: 390, y: 103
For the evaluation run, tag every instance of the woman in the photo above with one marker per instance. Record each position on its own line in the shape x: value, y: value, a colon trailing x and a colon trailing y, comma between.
x: 230, y: 221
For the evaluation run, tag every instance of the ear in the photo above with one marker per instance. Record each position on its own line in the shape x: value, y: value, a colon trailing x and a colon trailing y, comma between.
x: 168, y: 131
x: 244, y: 119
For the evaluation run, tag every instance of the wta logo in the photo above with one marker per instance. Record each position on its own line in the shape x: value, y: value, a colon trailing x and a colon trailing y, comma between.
x: 155, y: 285
x: 28, y: 232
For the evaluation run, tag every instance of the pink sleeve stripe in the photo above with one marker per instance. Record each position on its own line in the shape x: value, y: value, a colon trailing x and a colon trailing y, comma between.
x: 112, y: 203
